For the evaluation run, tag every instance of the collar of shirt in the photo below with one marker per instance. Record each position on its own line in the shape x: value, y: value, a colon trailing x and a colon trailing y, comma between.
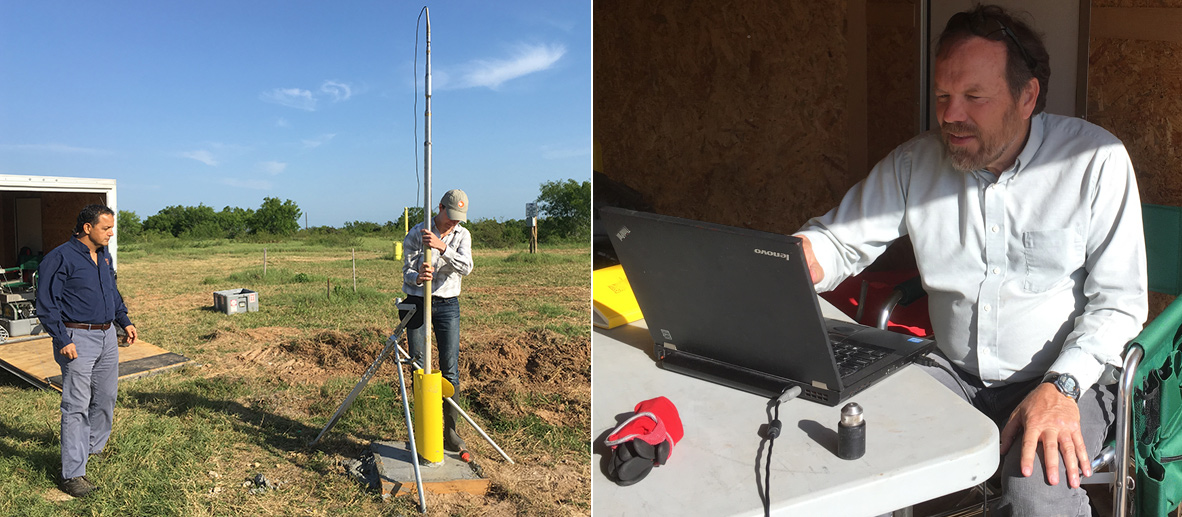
x: 82, y: 248
x: 1033, y: 144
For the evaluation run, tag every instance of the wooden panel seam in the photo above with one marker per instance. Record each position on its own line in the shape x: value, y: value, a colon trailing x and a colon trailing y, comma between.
x: 1138, y: 23
x: 856, y: 102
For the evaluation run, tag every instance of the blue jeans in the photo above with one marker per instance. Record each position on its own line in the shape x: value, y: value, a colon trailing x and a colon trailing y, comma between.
x: 1032, y: 496
x: 90, y: 383
x: 445, y: 321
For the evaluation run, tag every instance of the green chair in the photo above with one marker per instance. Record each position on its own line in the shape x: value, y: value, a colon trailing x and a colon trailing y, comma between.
x: 1149, y: 402
x: 1149, y: 420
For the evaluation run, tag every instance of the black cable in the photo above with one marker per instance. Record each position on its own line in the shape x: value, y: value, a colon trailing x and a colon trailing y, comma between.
x: 773, y: 431
x: 418, y: 183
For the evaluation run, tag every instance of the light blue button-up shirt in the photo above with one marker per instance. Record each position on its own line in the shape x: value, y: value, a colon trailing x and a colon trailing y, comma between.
x: 1039, y: 269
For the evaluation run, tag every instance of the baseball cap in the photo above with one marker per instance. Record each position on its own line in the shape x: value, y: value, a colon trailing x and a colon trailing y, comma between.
x: 455, y: 202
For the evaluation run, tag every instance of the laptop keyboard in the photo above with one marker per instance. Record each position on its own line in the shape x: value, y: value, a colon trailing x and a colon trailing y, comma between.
x: 853, y: 357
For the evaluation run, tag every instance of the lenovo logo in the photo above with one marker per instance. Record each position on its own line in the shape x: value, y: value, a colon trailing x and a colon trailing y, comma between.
x: 772, y: 253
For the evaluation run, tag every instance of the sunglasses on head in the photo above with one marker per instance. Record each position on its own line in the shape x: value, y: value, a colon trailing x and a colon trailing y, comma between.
x: 980, y: 25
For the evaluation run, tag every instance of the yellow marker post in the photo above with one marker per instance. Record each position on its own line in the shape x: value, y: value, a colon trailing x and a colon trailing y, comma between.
x: 405, y: 230
x: 429, y: 415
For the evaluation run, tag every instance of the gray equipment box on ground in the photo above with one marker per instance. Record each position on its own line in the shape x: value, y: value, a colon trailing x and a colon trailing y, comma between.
x: 232, y: 301
x: 21, y: 327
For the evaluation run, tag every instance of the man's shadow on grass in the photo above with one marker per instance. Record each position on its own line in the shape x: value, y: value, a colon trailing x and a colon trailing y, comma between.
x: 277, y: 432
x: 39, y: 449
x: 43, y: 457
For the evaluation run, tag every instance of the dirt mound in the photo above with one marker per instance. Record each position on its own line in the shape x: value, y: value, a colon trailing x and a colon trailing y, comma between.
x: 297, y: 355
x: 339, y: 351
x: 540, y: 355
x: 541, y: 372
x: 223, y: 339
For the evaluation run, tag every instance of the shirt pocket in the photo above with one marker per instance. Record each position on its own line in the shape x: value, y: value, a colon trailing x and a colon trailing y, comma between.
x: 1051, y: 256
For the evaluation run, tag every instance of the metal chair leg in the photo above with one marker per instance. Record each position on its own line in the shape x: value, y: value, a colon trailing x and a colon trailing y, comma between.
x: 1123, y: 483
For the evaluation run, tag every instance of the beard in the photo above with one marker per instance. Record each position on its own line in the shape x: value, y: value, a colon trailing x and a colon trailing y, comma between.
x: 991, y: 145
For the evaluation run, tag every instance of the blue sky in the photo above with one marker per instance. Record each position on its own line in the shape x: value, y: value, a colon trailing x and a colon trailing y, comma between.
x: 224, y: 103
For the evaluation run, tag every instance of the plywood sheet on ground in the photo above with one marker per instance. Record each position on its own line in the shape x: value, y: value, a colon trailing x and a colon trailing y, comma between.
x: 32, y: 361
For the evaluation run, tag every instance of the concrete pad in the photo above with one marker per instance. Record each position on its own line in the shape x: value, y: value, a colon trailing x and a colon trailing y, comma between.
x: 396, y: 473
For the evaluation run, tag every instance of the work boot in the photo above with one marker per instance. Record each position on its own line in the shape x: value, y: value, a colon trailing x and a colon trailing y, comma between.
x: 77, y: 487
x: 451, y: 440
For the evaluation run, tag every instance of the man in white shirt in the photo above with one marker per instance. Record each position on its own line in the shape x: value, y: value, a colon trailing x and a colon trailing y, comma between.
x: 1027, y: 234
x: 451, y: 261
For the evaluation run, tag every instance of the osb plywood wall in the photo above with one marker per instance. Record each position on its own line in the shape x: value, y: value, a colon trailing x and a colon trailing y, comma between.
x: 7, y: 232
x: 59, y: 213
x: 724, y: 111
x: 892, y: 78
x: 1135, y: 91
x: 746, y: 112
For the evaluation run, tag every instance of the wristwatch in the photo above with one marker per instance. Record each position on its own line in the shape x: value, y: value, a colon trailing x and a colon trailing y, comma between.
x: 1065, y: 383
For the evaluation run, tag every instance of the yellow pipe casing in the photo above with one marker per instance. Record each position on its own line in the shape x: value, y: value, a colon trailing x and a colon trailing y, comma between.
x: 398, y: 250
x: 429, y: 415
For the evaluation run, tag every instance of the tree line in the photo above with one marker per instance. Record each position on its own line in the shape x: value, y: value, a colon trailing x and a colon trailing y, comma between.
x: 564, y: 209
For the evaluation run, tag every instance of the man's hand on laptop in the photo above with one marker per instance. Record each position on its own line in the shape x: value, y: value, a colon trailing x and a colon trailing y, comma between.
x: 815, y: 270
x: 1049, y: 418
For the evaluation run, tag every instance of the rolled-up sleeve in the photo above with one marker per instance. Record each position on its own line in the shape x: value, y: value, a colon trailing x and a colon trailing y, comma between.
x: 869, y: 218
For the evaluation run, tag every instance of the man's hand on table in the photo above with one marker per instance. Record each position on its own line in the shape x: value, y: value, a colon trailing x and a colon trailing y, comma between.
x: 1049, y: 418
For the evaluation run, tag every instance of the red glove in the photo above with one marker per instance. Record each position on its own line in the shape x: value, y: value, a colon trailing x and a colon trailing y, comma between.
x: 644, y: 440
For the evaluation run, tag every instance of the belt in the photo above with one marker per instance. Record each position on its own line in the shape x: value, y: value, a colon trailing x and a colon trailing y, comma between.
x: 87, y: 326
x: 433, y: 298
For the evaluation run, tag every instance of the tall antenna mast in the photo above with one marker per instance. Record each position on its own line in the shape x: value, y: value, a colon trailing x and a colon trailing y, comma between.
x: 427, y: 298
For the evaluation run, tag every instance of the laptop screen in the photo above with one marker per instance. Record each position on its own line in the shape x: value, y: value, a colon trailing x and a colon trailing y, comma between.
x: 737, y: 296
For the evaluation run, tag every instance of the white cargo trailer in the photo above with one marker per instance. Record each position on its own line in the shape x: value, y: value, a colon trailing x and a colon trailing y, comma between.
x: 37, y: 214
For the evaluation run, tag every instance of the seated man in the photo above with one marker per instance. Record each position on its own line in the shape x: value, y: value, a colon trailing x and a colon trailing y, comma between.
x: 1027, y: 233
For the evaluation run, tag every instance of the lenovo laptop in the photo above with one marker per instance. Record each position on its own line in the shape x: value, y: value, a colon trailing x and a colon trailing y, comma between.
x: 737, y: 307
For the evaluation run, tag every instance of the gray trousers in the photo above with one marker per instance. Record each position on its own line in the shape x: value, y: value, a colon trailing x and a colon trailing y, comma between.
x: 1033, y: 496
x: 89, y: 386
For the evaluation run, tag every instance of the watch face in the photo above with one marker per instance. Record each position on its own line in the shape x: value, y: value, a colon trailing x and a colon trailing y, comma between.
x: 1068, y: 385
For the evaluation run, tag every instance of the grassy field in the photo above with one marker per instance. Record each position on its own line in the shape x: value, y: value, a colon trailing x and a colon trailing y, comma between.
x: 265, y: 383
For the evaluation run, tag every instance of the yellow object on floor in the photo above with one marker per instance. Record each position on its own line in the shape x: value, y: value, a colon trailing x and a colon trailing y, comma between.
x: 613, y: 301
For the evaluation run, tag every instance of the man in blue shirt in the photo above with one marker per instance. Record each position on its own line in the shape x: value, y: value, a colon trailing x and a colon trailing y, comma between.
x: 77, y: 301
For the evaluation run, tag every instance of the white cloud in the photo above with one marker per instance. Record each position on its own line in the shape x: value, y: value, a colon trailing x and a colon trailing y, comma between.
x: 53, y: 148
x: 273, y: 168
x: 337, y: 90
x: 312, y: 143
x: 527, y: 59
x: 291, y: 97
x: 282, y: 122
x: 202, y: 156
x: 250, y: 184
x: 331, y: 90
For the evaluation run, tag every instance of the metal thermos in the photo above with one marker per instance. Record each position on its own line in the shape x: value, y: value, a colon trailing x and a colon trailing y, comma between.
x: 851, y: 433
